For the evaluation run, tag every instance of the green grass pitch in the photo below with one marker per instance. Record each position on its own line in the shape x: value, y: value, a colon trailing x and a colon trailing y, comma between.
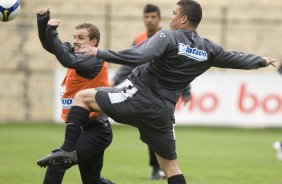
x: 206, y: 155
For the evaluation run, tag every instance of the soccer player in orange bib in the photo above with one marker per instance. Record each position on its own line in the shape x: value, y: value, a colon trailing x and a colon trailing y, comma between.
x: 83, y: 72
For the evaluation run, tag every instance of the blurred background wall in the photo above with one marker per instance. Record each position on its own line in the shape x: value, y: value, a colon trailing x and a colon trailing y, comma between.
x: 27, y: 71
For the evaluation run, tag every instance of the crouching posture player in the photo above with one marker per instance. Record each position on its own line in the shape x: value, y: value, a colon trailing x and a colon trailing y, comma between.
x: 83, y: 72
x: 173, y: 58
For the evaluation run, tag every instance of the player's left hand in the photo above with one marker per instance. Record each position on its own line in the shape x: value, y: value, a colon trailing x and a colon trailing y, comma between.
x: 88, y: 50
x: 54, y: 22
x: 185, y: 99
x: 270, y: 61
x: 43, y: 11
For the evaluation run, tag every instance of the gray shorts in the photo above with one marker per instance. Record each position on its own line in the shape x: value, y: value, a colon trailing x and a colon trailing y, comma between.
x: 153, y: 116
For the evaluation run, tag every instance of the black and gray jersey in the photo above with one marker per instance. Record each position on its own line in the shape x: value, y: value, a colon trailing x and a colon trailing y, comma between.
x: 174, y: 58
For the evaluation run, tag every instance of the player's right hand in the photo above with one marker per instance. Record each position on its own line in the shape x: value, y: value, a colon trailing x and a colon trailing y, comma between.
x: 88, y: 50
x: 54, y: 22
x: 43, y: 11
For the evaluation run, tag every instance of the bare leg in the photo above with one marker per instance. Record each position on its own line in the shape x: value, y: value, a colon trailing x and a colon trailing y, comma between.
x: 172, y: 170
x: 170, y: 167
x: 86, y: 99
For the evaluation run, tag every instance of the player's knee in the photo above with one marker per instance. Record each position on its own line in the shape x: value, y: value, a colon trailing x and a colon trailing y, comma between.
x: 80, y: 97
x: 84, y: 97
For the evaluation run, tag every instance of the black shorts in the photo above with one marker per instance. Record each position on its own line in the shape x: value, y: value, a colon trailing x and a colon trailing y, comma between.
x: 153, y: 116
x: 94, y: 139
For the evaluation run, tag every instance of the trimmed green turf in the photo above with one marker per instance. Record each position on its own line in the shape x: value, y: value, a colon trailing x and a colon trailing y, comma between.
x: 206, y: 155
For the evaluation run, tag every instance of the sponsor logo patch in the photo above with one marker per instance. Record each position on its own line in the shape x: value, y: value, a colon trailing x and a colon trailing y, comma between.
x: 193, y: 53
x: 66, y: 103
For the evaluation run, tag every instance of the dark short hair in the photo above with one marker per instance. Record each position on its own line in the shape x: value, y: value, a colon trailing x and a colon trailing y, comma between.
x: 150, y: 8
x: 92, y: 29
x: 192, y: 9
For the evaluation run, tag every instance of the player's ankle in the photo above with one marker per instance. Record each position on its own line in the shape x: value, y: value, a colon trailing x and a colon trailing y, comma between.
x: 68, y: 146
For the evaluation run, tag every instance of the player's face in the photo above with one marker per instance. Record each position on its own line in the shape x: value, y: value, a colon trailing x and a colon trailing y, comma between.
x: 151, y: 20
x: 81, y: 37
x: 175, y: 18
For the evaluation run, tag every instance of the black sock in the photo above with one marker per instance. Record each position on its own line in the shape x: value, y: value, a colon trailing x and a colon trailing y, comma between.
x: 176, y: 179
x: 76, y: 117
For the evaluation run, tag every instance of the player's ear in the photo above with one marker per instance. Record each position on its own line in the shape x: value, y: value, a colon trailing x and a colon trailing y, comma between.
x: 94, y: 42
x: 184, y: 19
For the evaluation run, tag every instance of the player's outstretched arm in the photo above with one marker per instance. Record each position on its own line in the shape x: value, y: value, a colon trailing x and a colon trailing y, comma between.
x: 43, y: 16
x: 237, y: 60
x: 62, y: 51
x: 147, y: 51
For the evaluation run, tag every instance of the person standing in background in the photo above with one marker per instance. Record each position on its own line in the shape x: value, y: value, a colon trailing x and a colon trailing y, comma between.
x: 151, y: 18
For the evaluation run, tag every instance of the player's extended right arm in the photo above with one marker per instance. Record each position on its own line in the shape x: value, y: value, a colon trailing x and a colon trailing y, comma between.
x: 42, y: 20
x: 147, y: 51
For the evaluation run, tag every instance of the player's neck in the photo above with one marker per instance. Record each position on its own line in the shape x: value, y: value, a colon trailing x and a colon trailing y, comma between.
x: 187, y: 27
x: 152, y: 32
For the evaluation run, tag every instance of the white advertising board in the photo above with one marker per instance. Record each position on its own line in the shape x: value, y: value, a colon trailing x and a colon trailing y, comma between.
x: 245, y: 99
